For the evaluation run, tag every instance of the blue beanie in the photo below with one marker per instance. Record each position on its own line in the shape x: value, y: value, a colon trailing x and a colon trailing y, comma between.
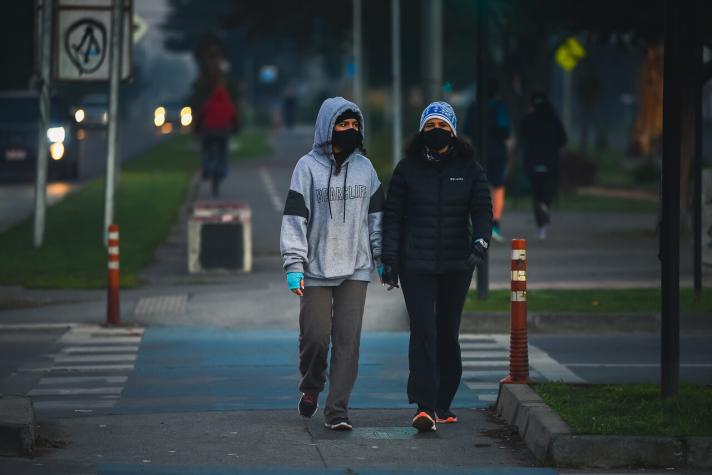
x: 441, y: 110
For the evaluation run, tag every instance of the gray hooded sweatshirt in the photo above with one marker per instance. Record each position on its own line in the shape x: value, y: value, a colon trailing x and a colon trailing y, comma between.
x: 331, y: 228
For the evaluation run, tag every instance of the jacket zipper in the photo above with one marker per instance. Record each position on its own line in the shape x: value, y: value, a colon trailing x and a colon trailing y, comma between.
x: 440, y: 214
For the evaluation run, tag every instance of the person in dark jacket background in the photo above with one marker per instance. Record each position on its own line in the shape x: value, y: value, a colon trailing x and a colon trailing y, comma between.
x: 497, y: 159
x: 541, y: 138
x: 436, y: 229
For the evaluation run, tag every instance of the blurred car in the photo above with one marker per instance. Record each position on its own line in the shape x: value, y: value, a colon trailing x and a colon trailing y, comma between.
x: 92, y: 111
x: 172, y: 117
x: 19, y: 115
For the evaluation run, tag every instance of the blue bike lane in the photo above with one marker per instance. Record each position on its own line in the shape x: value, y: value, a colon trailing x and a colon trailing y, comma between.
x: 252, y: 376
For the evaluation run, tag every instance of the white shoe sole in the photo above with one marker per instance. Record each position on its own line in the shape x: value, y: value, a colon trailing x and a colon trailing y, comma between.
x: 340, y: 426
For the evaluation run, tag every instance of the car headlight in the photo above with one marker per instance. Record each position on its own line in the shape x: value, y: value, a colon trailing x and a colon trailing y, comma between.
x: 56, y: 151
x: 159, y: 116
x: 56, y: 134
x: 79, y: 115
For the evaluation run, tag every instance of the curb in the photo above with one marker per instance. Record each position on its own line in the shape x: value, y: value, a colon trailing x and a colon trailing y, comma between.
x: 552, y: 441
x: 17, y: 426
x: 578, y: 322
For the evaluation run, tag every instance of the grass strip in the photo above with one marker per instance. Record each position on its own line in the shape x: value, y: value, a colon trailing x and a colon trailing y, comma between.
x: 591, y: 301
x: 252, y: 143
x: 151, y: 190
x: 631, y: 409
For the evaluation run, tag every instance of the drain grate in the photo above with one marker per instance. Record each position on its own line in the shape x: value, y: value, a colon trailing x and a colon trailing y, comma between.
x: 161, y: 304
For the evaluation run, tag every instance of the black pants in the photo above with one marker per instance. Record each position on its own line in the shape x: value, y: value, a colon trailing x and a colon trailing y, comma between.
x: 543, y: 191
x: 434, y: 303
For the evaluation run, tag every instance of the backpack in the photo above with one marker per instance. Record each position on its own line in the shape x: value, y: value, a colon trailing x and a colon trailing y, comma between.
x: 218, y: 111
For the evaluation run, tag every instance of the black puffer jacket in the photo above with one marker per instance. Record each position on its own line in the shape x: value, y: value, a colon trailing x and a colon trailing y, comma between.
x: 434, y: 212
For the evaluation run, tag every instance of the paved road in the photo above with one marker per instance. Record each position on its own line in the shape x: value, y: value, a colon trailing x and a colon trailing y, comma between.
x: 138, y: 400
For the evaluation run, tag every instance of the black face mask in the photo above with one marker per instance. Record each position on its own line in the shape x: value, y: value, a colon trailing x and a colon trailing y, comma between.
x: 436, y: 138
x: 347, y: 140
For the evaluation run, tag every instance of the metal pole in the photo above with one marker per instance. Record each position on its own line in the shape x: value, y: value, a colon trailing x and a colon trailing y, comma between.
x: 432, y: 47
x: 697, y: 180
x: 115, y: 54
x: 45, y: 55
x: 358, y: 53
x: 482, y: 274
x: 396, y: 61
x: 670, y: 225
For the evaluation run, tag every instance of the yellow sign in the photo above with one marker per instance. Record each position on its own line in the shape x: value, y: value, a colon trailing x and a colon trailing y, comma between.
x: 570, y: 53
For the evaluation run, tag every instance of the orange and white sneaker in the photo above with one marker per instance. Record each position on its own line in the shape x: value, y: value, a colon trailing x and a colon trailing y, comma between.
x: 445, y: 416
x: 424, y: 420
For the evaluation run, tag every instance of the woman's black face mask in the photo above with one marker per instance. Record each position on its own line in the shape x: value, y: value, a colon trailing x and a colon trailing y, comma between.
x: 437, y: 138
x: 346, y: 140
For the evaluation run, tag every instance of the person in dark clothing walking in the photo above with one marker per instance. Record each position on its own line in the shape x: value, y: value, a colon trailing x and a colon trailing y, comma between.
x: 436, y: 229
x: 541, y: 138
x: 498, y: 132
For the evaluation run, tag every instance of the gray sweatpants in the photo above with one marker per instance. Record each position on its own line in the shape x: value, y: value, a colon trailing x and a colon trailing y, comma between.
x: 331, y: 313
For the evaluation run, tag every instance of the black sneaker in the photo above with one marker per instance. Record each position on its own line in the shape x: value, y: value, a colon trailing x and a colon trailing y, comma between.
x: 424, y: 420
x: 308, y: 404
x: 340, y: 423
x: 445, y: 416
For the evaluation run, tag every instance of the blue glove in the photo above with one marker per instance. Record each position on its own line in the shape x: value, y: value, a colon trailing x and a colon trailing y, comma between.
x: 380, y: 270
x: 294, y: 280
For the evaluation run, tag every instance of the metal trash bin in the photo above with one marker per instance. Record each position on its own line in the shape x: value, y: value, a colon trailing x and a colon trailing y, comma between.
x: 220, y: 237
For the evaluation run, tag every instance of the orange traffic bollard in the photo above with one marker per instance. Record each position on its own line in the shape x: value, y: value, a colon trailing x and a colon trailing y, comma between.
x: 113, y: 316
x: 518, y: 344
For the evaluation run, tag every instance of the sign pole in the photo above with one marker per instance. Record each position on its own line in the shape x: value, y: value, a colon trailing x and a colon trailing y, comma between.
x: 115, y: 56
x: 396, y: 44
x: 358, y: 53
x: 482, y: 271
x: 44, y: 104
x: 673, y: 84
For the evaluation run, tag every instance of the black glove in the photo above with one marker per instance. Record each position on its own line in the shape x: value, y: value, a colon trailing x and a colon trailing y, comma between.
x: 479, y: 251
x: 390, y: 275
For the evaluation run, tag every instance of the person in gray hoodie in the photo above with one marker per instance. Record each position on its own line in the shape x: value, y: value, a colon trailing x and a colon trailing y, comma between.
x: 330, y: 243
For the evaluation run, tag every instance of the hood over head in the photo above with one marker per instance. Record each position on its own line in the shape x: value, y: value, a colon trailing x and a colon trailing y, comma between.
x: 330, y: 109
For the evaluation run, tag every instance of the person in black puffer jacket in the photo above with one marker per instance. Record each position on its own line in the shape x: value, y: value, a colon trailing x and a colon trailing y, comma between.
x: 437, y: 225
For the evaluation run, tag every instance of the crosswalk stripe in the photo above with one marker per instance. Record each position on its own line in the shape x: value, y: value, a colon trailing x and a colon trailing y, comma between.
x: 91, y: 358
x: 478, y: 386
x: 475, y: 374
x: 107, y: 367
x: 74, y: 404
x: 100, y: 349
x: 88, y: 371
x: 481, y: 346
x: 485, y: 354
x: 82, y: 379
x: 484, y: 364
x: 75, y: 391
x: 102, y: 340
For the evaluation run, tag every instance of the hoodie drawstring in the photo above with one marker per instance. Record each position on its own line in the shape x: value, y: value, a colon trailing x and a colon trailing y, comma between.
x: 346, y: 173
x: 328, y: 189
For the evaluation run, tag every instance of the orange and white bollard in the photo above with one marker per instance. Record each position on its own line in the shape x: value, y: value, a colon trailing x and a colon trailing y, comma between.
x: 113, y: 316
x: 518, y: 344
